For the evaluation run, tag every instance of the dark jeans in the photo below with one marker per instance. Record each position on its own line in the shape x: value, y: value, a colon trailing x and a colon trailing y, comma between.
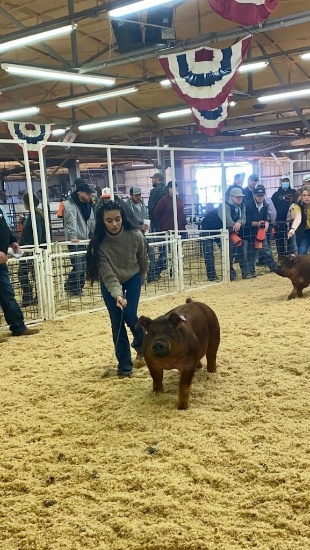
x: 11, y: 310
x: 76, y: 278
x: 252, y: 255
x: 281, y: 239
x: 237, y: 252
x: 304, y: 244
x: 128, y: 316
x: 157, y: 258
x: 26, y: 268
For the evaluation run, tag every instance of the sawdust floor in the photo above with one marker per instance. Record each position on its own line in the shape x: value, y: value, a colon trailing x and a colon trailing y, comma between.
x: 90, y: 462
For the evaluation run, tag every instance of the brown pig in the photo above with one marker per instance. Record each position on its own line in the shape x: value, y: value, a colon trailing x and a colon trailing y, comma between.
x: 178, y: 340
x: 297, y: 269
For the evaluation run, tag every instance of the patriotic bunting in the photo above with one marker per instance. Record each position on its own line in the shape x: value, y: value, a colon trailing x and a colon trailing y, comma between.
x: 244, y: 12
x: 204, y: 78
x: 210, y: 122
x: 33, y: 134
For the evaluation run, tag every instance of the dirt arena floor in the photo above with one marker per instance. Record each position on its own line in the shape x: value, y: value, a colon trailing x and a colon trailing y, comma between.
x: 91, y: 462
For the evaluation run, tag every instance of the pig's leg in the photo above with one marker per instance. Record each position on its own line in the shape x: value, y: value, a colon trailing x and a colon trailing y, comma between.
x: 157, y: 375
x: 293, y: 293
x: 211, y: 354
x: 185, y: 382
x: 300, y: 288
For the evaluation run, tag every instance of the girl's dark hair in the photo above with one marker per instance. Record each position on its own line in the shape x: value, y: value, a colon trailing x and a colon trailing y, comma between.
x: 92, y: 263
x: 36, y: 203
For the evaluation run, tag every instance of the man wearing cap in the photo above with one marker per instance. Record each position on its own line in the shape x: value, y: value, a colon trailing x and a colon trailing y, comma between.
x: 158, y: 192
x: 79, y: 224
x: 138, y: 207
x: 257, y: 217
x: 238, y: 182
x: 252, y: 182
x: 282, y: 200
x: 235, y: 221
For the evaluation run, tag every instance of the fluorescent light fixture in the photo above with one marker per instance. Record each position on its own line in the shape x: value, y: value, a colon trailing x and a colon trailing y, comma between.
x: 49, y: 74
x: 171, y: 114
x: 165, y: 83
x: 305, y: 55
x: 256, y: 134
x: 39, y: 37
x: 7, y: 115
x: 96, y: 97
x: 292, y: 151
x: 233, y: 149
x: 109, y: 123
x: 285, y: 95
x: 137, y: 6
x: 59, y: 132
x: 249, y: 67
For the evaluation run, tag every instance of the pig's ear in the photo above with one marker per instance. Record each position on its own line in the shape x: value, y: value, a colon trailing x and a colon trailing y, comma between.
x: 176, y: 320
x: 145, y: 322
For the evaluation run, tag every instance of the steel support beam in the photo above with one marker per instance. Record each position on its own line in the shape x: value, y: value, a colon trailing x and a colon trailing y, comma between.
x: 47, y: 48
x: 235, y: 34
x: 280, y: 79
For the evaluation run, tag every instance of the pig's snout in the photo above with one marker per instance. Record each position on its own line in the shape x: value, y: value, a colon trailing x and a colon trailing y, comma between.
x: 160, y: 348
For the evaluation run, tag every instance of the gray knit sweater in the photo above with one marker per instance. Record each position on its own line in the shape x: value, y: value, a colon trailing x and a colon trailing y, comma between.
x: 121, y: 257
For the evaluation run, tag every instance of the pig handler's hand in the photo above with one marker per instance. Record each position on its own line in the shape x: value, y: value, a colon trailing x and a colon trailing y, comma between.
x: 121, y: 302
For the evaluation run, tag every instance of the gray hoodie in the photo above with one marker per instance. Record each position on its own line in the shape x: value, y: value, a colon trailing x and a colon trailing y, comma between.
x: 74, y: 222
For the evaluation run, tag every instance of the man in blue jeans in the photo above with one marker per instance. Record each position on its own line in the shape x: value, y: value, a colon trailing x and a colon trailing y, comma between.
x: 11, y: 310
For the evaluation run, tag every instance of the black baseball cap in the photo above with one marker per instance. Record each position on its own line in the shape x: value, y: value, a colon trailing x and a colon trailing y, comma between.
x: 259, y: 190
x: 84, y: 188
x: 253, y: 177
x: 157, y: 175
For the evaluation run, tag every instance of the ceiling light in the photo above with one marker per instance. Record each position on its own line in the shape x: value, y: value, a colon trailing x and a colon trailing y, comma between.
x: 232, y: 104
x: 285, y: 95
x: 292, y: 151
x: 59, y: 132
x: 96, y: 97
x: 39, y: 37
x: 137, y: 6
x: 305, y: 55
x: 256, y: 134
x: 165, y: 82
x: 7, y: 115
x: 109, y: 123
x: 49, y: 74
x: 248, y: 67
x: 171, y: 114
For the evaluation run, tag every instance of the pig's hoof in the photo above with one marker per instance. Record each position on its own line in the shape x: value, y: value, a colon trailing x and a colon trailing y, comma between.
x: 199, y: 366
x: 182, y: 406
x: 158, y: 390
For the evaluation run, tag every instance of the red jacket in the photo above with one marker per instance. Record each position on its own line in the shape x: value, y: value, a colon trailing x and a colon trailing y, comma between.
x: 163, y: 213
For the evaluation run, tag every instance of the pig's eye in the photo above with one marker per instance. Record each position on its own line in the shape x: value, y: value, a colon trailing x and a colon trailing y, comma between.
x: 169, y: 331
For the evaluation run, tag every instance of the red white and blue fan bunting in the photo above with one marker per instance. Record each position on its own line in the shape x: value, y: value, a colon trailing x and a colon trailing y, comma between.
x: 211, y: 121
x: 244, y: 12
x: 33, y: 134
x: 204, y: 78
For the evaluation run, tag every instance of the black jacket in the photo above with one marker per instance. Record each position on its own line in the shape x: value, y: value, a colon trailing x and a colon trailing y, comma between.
x: 302, y: 226
x: 6, y: 235
x: 254, y: 215
x: 282, y: 200
x: 212, y: 220
x: 27, y: 232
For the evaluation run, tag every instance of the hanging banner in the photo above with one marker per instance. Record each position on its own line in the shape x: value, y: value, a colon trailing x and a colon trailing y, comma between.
x: 244, y: 12
x: 211, y: 121
x: 204, y: 77
x: 33, y: 134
